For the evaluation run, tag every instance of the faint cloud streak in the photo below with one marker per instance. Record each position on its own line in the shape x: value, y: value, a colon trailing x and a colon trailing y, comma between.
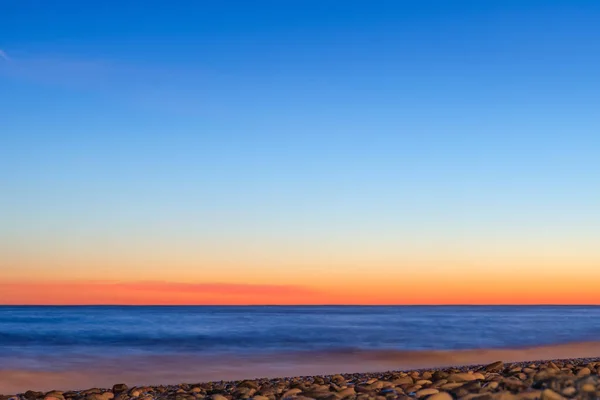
x: 149, y: 292
x: 4, y: 56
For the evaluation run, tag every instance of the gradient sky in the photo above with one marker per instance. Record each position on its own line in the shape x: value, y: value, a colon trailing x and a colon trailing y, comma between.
x: 280, y: 152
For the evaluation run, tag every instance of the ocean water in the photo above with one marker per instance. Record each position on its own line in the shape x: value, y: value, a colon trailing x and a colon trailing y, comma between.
x: 53, y: 337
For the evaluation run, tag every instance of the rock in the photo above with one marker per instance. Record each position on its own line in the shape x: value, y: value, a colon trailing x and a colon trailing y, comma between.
x: 339, y: 379
x: 423, y: 382
x: 289, y: 393
x: 403, y: 380
x: 588, y: 387
x: 584, y: 372
x: 413, y: 389
x: 569, y: 391
x: 437, y: 375
x: 218, y: 397
x: 494, y: 367
x: 549, y: 394
x: 120, y: 387
x: 553, y: 366
x: 91, y: 391
x: 450, y: 386
x: 426, y: 392
x: 513, y: 384
x: 100, y: 396
x: 375, y: 385
x: 461, y: 377
x: 440, y: 396
x: 477, y: 396
x: 243, y: 392
x: 249, y: 384
x: 31, y: 395
x: 504, y: 396
x: 532, y: 395
x: 347, y: 392
x: 54, y: 395
x: 362, y: 389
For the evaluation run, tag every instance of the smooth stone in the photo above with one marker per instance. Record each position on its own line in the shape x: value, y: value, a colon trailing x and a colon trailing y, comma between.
x: 553, y: 366
x: 504, y: 396
x: 120, y: 387
x: 290, y: 393
x: 91, y: 391
x: 100, y: 396
x: 569, y: 391
x: 549, y: 394
x: 462, y: 377
x: 585, y: 371
x: 423, y: 382
x: 413, y: 389
x: 403, y: 380
x: 588, y: 387
x: 347, y: 392
x: 31, y: 395
x: 533, y: 395
x: 375, y: 385
x: 426, y: 392
x: 440, y: 396
x: 477, y: 396
x: 427, y: 375
x: 452, y: 385
x: 494, y: 367
x: 218, y: 397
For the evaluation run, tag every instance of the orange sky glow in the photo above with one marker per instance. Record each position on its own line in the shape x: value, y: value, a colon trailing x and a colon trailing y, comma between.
x: 478, y: 291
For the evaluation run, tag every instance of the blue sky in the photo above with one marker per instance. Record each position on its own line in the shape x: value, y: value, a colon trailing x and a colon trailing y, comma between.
x: 315, y: 125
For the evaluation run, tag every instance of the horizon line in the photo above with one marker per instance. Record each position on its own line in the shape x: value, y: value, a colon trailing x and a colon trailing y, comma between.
x: 302, y: 305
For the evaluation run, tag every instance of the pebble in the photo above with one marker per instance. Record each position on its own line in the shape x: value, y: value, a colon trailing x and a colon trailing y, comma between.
x: 550, y: 380
x: 494, y: 367
x: 440, y: 396
x: 549, y: 394
x: 426, y: 392
x: 585, y: 371
x: 461, y: 377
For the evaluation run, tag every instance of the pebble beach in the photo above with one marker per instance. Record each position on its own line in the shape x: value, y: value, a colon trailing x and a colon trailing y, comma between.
x: 544, y: 380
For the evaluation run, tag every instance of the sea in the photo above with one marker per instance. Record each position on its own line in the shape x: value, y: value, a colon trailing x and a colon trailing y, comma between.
x: 211, y: 339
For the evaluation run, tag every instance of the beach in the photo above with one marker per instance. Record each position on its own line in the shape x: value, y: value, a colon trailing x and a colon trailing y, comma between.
x: 545, y: 380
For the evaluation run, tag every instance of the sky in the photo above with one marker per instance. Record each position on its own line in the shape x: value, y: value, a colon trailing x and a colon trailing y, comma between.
x: 299, y: 152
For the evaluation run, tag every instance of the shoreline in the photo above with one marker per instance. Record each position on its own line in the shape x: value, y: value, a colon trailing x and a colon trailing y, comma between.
x: 157, y: 370
x: 543, y: 379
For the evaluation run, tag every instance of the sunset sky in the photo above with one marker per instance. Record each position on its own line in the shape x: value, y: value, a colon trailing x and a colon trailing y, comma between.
x: 300, y: 152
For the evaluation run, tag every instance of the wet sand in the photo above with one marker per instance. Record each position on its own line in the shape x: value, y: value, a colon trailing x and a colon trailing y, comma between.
x: 135, y: 371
